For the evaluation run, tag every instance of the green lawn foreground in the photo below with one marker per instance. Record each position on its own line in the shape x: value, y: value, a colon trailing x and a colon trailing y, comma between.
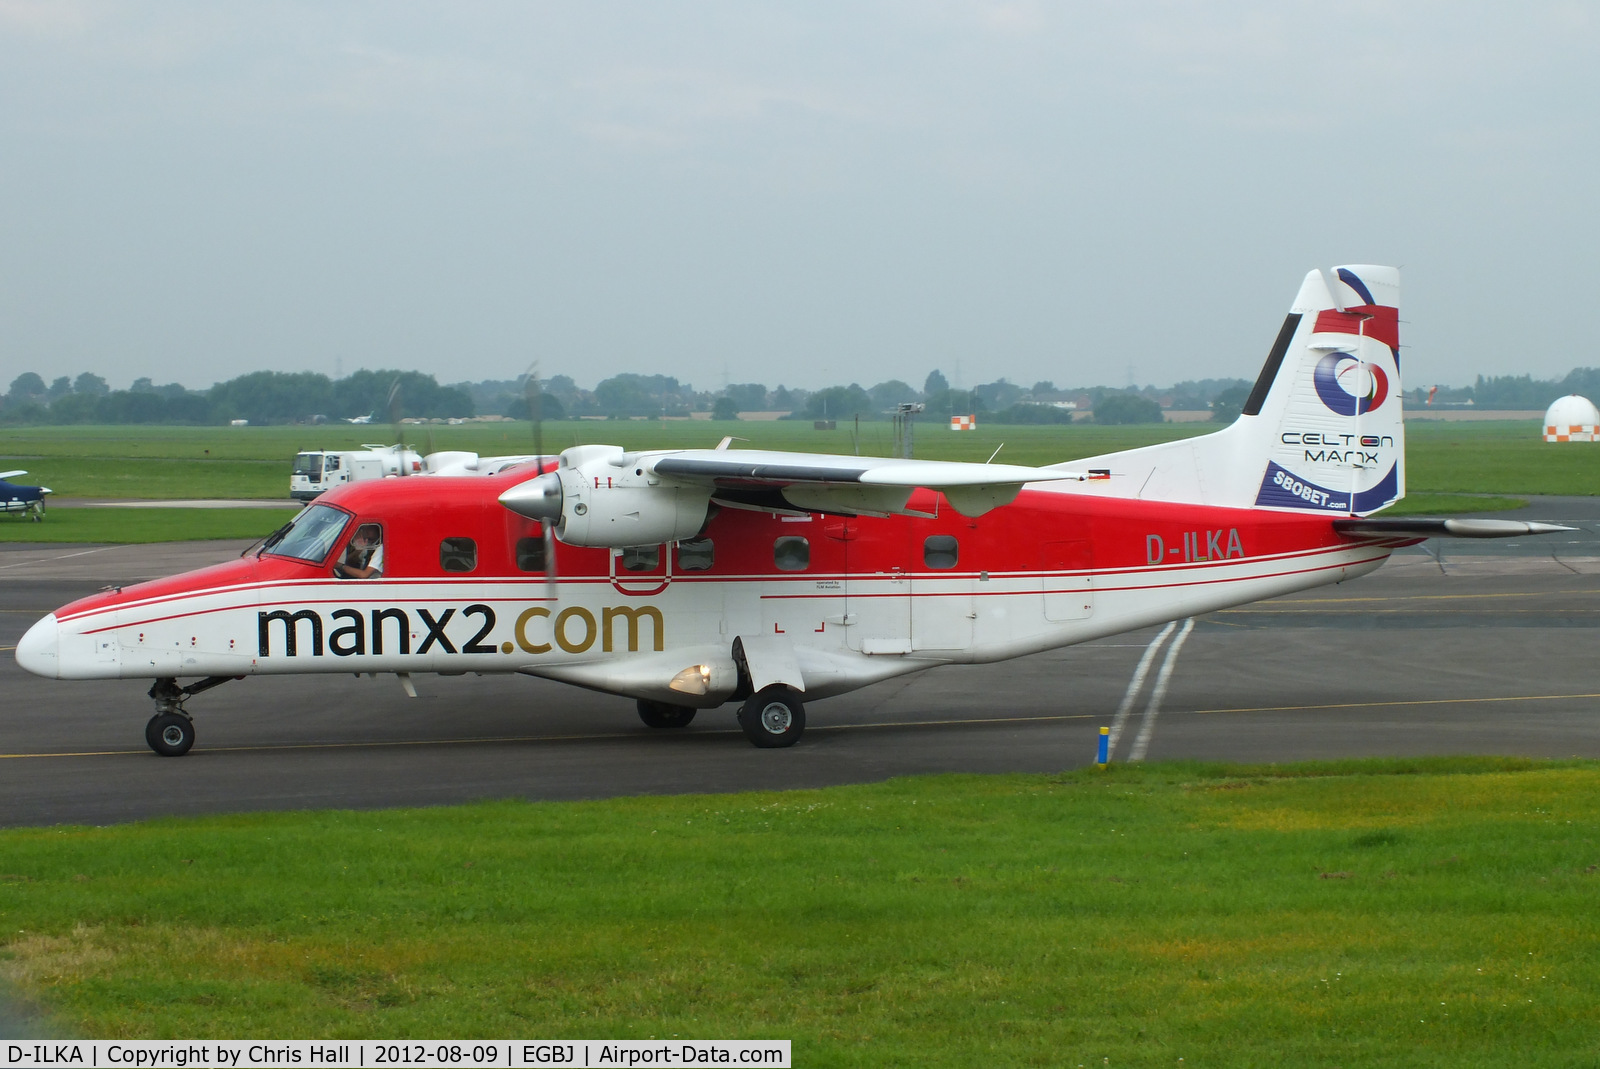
x: 1375, y: 913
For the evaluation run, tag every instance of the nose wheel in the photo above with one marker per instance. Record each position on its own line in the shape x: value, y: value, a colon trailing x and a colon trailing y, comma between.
x: 170, y: 734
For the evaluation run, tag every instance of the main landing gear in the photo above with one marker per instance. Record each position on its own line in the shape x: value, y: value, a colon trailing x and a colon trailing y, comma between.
x: 663, y: 715
x: 773, y: 717
x: 170, y: 732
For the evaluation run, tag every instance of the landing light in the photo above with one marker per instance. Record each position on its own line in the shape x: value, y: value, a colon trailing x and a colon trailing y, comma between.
x: 696, y: 679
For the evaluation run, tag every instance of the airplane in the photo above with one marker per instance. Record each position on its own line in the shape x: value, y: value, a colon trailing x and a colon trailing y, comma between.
x: 359, y: 419
x: 28, y: 500
x: 687, y: 579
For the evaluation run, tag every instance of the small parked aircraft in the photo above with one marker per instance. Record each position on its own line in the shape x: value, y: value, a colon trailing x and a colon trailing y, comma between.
x: 689, y: 578
x: 28, y: 500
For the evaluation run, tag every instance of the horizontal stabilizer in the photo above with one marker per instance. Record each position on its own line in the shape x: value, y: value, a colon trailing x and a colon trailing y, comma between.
x: 1432, y: 527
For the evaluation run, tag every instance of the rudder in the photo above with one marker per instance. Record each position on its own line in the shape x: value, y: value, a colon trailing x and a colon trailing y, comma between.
x: 1327, y: 408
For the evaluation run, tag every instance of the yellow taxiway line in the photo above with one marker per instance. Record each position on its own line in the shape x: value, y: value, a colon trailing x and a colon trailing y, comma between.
x: 827, y: 728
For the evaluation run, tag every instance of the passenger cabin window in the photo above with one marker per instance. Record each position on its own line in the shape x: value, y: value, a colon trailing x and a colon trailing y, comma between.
x: 695, y: 555
x: 791, y: 553
x: 940, y: 551
x: 641, y: 558
x: 458, y: 555
x: 530, y: 554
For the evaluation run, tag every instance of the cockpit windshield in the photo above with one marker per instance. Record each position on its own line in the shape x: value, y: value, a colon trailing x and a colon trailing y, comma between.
x: 311, y: 535
x: 309, y: 465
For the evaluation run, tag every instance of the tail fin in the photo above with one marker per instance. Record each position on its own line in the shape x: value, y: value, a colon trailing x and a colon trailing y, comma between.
x: 1322, y: 429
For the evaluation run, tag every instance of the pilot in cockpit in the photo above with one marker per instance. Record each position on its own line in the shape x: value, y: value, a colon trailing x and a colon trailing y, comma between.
x: 363, y: 557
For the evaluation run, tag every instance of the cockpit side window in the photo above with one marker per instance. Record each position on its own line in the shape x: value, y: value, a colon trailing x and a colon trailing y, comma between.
x: 311, y: 535
x: 363, y: 557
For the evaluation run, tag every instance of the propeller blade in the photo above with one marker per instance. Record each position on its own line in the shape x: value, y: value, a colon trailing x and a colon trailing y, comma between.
x: 544, y: 500
x: 551, y: 579
x: 394, y: 419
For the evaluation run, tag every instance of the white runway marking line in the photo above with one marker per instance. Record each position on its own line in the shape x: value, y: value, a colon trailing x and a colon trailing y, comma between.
x: 1134, y: 686
x: 61, y: 556
x: 1163, y: 677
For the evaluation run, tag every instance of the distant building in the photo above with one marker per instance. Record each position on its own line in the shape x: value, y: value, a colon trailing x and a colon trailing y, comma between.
x: 1572, y: 419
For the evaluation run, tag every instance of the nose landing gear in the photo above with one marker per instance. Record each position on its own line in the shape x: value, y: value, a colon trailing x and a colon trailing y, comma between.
x: 170, y: 732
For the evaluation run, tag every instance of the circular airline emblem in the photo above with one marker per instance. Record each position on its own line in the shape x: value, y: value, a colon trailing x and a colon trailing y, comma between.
x: 1349, y: 386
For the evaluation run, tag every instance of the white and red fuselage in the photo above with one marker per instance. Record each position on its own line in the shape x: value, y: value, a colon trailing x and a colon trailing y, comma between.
x: 858, y: 598
x: 688, y: 578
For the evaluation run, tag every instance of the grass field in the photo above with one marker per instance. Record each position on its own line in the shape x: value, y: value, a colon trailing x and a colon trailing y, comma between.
x: 130, y: 525
x: 160, y: 462
x: 173, y: 462
x: 1375, y: 913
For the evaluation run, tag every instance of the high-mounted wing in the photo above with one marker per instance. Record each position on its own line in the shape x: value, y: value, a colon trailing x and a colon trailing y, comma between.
x: 601, y: 495
x: 825, y: 482
x: 13, y: 474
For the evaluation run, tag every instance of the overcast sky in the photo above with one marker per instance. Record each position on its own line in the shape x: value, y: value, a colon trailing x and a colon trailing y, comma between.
x: 806, y: 193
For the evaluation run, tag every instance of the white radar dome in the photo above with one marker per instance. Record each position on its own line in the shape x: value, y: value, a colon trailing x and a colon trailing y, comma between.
x: 1572, y: 419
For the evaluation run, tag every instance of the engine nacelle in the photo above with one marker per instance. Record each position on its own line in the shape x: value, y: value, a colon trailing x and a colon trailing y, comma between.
x: 598, y: 497
x: 628, y: 513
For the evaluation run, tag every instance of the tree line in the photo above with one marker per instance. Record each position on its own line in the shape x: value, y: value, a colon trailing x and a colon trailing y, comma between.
x: 280, y: 397
x: 267, y: 397
x: 1514, y: 392
x: 260, y: 397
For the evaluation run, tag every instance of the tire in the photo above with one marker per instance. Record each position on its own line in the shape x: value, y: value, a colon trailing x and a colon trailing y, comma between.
x: 663, y: 715
x: 773, y: 717
x: 170, y: 734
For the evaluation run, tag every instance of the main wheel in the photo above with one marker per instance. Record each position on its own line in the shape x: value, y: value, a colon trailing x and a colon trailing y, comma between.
x: 170, y: 734
x: 773, y: 717
x: 663, y: 715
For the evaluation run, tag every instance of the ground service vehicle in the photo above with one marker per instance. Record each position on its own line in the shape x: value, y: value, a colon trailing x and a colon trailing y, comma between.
x: 690, y: 578
x: 320, y: 470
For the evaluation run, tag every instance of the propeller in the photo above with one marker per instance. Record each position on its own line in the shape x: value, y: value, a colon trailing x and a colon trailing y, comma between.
x: 550, y: 502
x: 393, y: 405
